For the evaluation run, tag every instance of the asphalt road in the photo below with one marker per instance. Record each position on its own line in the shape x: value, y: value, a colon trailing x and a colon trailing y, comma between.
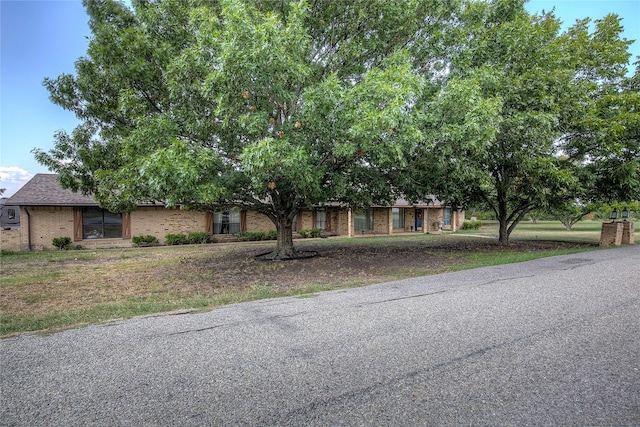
x: 552, y: 342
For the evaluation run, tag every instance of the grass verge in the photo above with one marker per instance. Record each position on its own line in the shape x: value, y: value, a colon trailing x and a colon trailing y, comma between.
x: 53, y: 290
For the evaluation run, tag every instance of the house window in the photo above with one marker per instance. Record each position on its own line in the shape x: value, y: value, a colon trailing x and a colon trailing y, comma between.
x: 100, y: 224
x: 321, y: 220
x: 447, y: 216
x: 398, y: 217
x: 226, y: 222
x: 363, y: 220
x: 11, y: 213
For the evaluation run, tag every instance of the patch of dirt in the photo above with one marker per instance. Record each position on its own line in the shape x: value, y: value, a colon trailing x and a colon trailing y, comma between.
x: 360, y: 262
x: 168, y: 275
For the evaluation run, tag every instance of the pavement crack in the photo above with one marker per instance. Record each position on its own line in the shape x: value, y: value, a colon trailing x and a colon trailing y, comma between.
x: 281, y: 316
x: 188, y: 331
x: 402, y: 298
x: 491, y: 282
x: 573, y: 267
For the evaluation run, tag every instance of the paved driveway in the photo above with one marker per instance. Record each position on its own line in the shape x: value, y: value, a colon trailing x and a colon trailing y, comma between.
x: 549, y: 342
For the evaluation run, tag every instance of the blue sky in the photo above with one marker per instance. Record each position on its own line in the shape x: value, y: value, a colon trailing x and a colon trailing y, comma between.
x: 44, y: 38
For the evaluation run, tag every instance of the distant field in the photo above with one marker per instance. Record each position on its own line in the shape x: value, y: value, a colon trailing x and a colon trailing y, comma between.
x: 583, y: 231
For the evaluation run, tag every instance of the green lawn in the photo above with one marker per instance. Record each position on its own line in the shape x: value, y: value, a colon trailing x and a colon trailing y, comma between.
x: 583, y: 231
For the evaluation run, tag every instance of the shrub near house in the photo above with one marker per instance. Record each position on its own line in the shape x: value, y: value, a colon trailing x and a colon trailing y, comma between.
x: 176, y: 239
x: 199, y: 237
x: 471, y: 225
x: 61, y: 242
x: 193, y: 238
x: 144, y: 240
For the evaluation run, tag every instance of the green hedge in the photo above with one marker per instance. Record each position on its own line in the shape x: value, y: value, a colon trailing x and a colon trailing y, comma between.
x: 199, y: 237
x: 176, y: 239
x: 61, y: 242
x: 471, y: 225
x: 147, y: 240
x: 314, y: 232
x: 250, y: 236
x: 254, y: 236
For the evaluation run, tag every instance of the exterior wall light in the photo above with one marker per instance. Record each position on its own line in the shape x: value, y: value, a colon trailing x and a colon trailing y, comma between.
x: 625, y: 214
x: 614, y: 215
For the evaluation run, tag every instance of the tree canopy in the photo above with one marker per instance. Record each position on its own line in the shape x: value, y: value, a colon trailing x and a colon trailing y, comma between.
x: 273, y: 106
x: 278, y: 106
x: 521, y: 119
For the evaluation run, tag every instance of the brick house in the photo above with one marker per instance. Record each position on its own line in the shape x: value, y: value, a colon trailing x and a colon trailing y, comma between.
x: 48, y: 211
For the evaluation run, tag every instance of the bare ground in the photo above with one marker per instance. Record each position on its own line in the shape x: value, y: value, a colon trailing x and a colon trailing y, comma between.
x: 38, y: 286
x: 360, y: 262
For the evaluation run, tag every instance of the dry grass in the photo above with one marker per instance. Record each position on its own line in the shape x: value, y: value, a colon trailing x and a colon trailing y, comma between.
x: 53, y: 289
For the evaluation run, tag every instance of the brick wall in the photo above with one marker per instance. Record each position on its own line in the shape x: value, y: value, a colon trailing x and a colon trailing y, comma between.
x: 431, y: 218
x: 435, y: 217
x: 46, y: 222
x: 305, y: 220
x: 341, y: 223
x: 335, y: 217
x: 50, y: 222
x: 611, y: 234
x: 380, y: 220
x: 457, y: 218
x: 104, y: 243
x: 160, y: 221
x: 259, y: 222
x: 628, y: 233
x: 409, y: 219
x: 10, y: 240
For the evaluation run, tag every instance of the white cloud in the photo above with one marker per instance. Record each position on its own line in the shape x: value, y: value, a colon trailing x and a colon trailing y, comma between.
x: 12, y: 178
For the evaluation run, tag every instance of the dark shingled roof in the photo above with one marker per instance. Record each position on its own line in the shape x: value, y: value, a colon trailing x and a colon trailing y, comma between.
x: 45, y: 190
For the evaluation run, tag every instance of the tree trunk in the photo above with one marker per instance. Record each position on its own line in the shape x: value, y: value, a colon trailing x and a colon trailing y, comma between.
x: 567, y: 222
x: 284, y: 246
x: 503, y: 235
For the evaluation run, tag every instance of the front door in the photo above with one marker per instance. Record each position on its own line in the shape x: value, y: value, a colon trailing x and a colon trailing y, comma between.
x: 418, y: 219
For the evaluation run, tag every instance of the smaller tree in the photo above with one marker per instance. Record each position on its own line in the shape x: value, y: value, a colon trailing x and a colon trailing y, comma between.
x: 577, y: 199
x: 608, y: 143
x: 572, y: 214
x: 492, y: 129
x: 518, y: 91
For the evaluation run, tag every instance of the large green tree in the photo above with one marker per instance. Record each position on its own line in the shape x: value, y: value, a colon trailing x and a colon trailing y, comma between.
x: 516, y: 87
x: 272, y: 106
x: 606, y: 140
x: 601, y: 139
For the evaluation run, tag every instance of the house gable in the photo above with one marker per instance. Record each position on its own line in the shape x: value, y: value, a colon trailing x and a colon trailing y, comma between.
x: 45, y: 190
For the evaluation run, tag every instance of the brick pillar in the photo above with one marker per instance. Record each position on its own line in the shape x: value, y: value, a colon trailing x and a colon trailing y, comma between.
x: 611, y: 234
x: 628, y: 233
x: 425, y: 221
